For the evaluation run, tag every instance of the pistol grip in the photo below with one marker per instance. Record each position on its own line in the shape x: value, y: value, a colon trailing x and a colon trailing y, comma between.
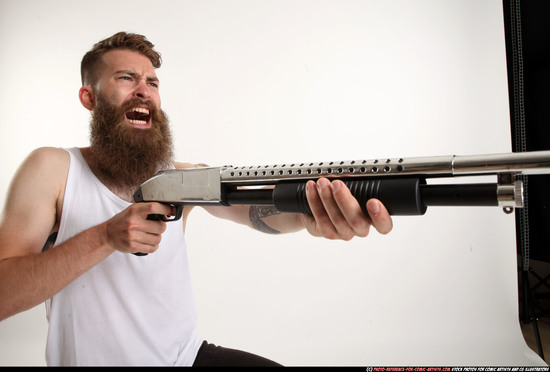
x: 161, y: 217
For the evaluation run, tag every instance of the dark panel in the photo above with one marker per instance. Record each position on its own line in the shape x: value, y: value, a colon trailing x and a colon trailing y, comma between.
x: 527, y: 29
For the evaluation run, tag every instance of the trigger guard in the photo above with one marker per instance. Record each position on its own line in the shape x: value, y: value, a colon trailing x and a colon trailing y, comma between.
x: 162, y: 217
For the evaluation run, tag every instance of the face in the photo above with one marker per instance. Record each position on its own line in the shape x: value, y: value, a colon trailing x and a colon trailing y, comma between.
x: 128, y: 75
x: 130, y: 136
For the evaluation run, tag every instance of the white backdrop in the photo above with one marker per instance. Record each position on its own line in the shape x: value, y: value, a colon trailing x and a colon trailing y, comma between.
x: 269, y: 81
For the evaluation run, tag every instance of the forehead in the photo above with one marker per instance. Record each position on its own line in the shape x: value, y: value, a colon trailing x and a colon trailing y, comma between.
x: 127, y: 60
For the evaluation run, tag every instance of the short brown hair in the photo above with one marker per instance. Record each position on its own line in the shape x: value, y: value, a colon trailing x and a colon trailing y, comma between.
x: 120, y: 40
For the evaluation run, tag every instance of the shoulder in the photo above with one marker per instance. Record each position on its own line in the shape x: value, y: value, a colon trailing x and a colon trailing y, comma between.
x: 34, y: 196
x: 45, y: 167
x: 50, y: 157
x: 39, y: 181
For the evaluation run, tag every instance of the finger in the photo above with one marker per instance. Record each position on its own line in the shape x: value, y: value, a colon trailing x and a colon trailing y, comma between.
x: 144, y: 242
x: 322, y: 224
x: 148, y: 213
x: 156, y: 208
x: 333, y: 210
x: 139, y: 222
x: 143, y: 249
x: 310, y: 224
x: 381, y: 219
x: 314, y: 201
x: 350, y: 209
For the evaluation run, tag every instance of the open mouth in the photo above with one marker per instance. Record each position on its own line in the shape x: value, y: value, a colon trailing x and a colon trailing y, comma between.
x: 139, y: 116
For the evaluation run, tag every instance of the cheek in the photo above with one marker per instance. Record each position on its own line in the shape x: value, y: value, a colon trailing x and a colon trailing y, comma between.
x: 155, y: 97
x: 116, y: 95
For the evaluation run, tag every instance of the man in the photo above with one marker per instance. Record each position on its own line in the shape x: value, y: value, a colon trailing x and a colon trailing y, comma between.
x: 106, y: 306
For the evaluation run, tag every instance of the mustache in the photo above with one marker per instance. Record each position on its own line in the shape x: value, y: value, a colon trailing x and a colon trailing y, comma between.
x: 137, y: 102
x: 125, y: 107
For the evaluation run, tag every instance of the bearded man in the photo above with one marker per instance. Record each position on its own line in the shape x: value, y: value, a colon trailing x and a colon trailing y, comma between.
x: 104, y: 305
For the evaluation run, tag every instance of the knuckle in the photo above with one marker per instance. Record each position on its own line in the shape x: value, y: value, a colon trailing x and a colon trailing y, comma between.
x: 150, y: 207
x: 157, y: 240
x: 361, y: 229
x: 348, y: 237
x: 346, y: 234
x: 331, y: 235
x: 338, y: 220
x: 364, y: 234
x: 130, y: 225
x: 324, y: 232
x: 134, y: 208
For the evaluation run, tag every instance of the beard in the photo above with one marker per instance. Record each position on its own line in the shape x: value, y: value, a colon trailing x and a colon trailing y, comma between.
x: 125, y: 155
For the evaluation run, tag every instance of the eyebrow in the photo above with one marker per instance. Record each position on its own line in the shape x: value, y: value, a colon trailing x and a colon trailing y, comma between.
x: 135, y: 75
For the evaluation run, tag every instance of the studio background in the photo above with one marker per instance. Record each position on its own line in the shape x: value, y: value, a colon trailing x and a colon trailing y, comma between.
x: 265, y: 82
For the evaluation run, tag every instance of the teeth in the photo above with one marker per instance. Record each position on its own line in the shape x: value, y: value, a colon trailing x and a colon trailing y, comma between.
x: 140, y: 122
x: 141, y: 110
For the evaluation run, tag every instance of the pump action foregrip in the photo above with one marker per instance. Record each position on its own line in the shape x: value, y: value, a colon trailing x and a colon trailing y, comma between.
x: 401, y: 197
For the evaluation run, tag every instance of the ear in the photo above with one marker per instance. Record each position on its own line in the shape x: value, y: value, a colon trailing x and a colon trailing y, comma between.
x: 86, y: 96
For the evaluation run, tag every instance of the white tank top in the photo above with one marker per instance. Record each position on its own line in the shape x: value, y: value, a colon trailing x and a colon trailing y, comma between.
x: 127, y: 310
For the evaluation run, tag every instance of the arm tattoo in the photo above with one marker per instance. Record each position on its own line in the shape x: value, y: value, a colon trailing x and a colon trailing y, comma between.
x: 257, y: 213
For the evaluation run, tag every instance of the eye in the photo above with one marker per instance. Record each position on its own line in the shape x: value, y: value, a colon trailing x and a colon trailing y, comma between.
x: 153, y: 84
x: 126, y: 79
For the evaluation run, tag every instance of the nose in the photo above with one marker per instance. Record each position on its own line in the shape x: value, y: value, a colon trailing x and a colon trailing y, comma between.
x: 142, y: 89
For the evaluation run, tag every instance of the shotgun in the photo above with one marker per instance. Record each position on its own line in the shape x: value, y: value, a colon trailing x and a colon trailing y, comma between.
x: 401, y: 184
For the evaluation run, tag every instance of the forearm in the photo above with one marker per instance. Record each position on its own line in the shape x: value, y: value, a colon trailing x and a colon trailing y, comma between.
x: 269, y: 220
x: 266, y: 219
x: 26, y: 281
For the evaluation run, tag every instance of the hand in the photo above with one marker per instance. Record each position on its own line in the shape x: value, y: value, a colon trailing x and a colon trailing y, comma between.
x: 338, y: 215
x: 130, y: 231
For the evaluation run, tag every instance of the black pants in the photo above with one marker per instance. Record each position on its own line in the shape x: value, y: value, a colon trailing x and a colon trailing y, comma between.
x: 216, y: 356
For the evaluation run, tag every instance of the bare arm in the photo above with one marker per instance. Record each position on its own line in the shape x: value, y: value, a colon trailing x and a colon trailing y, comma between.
x: 32, y: 211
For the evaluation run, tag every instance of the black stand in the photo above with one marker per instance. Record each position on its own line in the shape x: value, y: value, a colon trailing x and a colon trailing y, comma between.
x: 528, y: 305
x: 526, y: 31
